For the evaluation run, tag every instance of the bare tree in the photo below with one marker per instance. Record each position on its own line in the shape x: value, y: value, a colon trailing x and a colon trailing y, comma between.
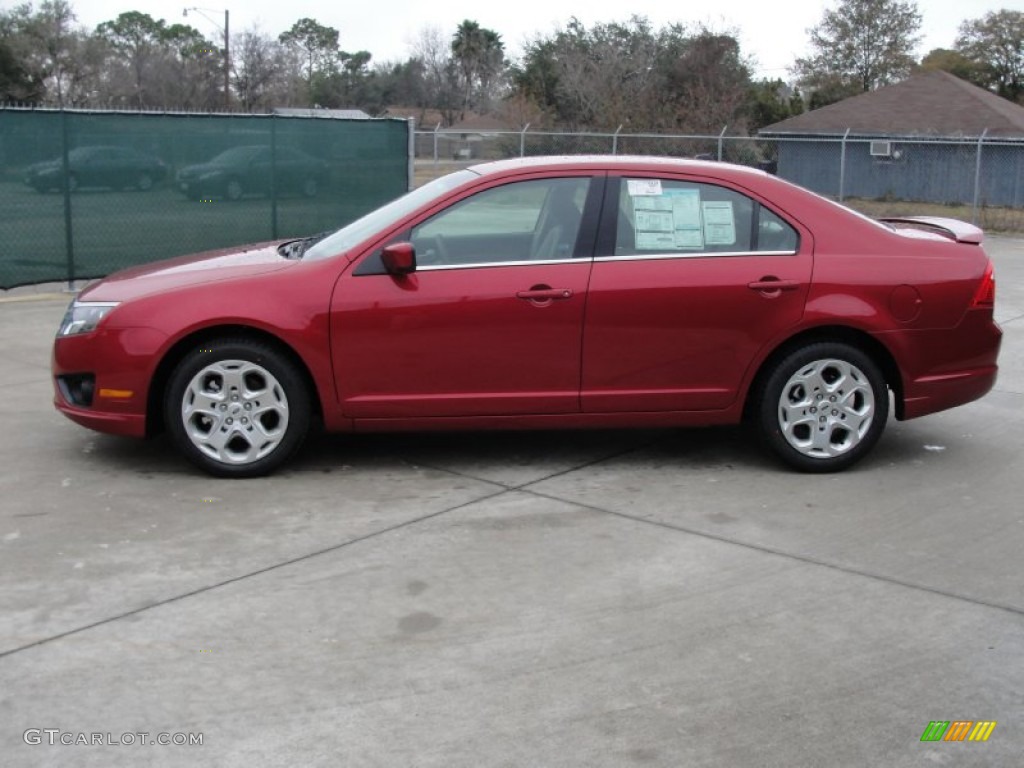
x: 996, y: 43
x: 628, y: 74
x: 188, y: 72
x: 710, y: 82
x: 265, y: 70
x: 135, y: 39
x: 861, y: 45
x: 432, y: 49
x: 319, y: 46
x: 48, y: 47
x: 598, y: 78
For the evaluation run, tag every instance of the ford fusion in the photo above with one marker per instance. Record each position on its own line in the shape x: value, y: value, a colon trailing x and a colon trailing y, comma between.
x: 547, y: 293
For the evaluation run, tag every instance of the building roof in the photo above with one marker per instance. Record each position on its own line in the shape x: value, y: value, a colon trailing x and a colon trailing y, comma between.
x: 337, y: 114
x: 480, y: 124
x: 930, y: 103
x: 425, y: 118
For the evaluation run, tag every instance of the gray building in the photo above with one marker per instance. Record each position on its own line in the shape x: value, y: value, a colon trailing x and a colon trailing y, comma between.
x: 926, y: 139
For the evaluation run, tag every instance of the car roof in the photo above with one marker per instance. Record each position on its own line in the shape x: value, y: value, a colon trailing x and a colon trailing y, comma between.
x: 615, y: 162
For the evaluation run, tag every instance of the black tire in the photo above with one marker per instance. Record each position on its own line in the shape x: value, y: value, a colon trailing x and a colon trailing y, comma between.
x: 255, y: 427
x: 809, y: 430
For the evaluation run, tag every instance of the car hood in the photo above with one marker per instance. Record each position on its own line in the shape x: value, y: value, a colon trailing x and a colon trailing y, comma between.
x: 207, y: 267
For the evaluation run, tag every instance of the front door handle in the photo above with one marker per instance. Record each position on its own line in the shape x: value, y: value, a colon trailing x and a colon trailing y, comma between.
x: 544, y: 293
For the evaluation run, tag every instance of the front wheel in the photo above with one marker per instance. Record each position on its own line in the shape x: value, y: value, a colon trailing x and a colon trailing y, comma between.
x: 823, y: 407
x: 233, y: 190
x: 237, y: 408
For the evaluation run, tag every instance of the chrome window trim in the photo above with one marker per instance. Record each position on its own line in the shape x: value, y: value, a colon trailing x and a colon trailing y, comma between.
x: 633, y: 257
x: 700, y: 255
x: 479, y: 264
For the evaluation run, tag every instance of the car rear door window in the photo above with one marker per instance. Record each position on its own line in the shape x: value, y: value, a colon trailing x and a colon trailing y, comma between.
x: 672, y: 217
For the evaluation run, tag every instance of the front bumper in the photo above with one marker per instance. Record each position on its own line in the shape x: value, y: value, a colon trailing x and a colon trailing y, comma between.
x: 121, y: 360
x: 125, y: 424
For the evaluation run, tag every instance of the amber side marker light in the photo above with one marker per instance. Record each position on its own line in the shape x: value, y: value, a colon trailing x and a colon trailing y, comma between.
x: 985, y: 296
x: 116, y: 394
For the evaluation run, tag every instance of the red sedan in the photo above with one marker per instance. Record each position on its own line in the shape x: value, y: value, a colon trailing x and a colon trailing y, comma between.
x: 547, y: 293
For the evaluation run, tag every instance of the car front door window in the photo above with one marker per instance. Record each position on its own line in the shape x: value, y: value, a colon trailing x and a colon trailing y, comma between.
x: 537, y: 220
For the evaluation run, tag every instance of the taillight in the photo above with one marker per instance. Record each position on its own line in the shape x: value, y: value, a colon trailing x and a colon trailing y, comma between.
x: 985, y: 296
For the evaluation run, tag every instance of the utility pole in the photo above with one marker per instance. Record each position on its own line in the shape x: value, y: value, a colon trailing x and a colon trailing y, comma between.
x: 227, y: 47
x: 227, y: 64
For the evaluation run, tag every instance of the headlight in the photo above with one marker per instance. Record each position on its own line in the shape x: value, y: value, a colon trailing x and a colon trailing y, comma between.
x: 84, y: 316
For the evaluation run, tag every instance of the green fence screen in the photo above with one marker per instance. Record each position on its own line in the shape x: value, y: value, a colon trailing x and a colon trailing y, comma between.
x: 83, y: 194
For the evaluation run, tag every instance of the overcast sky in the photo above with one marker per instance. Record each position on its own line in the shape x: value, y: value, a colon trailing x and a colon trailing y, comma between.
x: 772, y: 33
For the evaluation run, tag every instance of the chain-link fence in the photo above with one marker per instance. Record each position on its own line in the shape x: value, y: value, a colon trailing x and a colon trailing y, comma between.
x: 976, y: 179
x: 85, y: 193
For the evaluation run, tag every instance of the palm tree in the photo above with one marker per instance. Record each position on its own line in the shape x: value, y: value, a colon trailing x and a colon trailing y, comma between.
x: 467, y: 48
x: 479, y: 54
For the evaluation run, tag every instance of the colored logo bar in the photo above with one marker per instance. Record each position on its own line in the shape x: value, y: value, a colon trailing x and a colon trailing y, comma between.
x: 958, y: 730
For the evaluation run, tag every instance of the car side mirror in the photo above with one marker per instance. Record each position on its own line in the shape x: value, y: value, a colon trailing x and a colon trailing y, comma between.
x: 399, y: 258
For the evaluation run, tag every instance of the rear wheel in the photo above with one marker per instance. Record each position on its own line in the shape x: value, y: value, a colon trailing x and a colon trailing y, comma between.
x: 823, y: 407
x: 237, y: 408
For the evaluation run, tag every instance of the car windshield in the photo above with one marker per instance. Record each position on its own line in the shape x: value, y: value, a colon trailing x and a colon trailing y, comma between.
x: 360, y: 229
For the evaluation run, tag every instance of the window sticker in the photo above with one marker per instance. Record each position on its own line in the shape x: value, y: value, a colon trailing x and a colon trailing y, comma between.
x: 638, y: 187
x: 719, y: 222
x: 670, y: 221
x: 654, y: 221
x: 655, y: 241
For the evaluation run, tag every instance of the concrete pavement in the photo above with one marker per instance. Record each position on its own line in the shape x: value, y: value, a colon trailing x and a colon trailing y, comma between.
x: 657, y: 598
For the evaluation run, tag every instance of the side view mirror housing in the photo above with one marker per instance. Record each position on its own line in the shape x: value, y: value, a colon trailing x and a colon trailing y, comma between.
x: 399, y: 258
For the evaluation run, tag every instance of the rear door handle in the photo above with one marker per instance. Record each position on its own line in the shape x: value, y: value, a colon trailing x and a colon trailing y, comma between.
x: 772, y: 284
x: 545, y: 294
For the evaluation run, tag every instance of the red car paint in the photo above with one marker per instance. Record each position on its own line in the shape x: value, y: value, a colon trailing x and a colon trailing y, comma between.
x: 591, y: 340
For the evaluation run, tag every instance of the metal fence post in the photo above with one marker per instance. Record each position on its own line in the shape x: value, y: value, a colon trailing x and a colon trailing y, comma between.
x: 842, y: 165
x: 615, y: 140
x: 69, y: 241
x: 436, y: 129
x: 273, y: 177
x: 522, y: 140
x: 411, y: 168
x: 977, y: 179
x: 721, y: 138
